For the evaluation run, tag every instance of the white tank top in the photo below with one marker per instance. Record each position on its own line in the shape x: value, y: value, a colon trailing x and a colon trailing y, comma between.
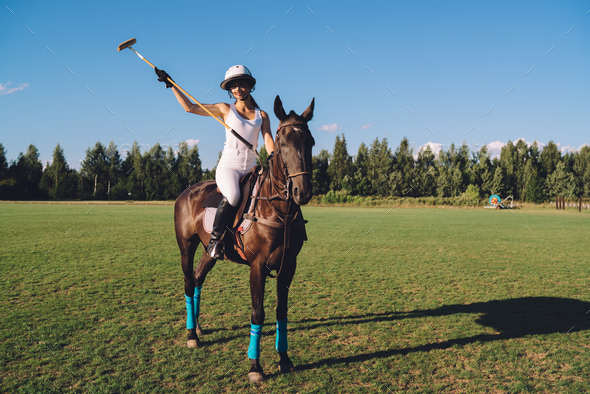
x: 248, y: 129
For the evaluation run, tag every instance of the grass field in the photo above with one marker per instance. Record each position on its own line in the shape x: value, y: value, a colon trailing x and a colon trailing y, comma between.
x: 414, y: 300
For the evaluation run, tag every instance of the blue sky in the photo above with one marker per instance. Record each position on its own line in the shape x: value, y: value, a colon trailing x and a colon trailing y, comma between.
x: 426, y: 70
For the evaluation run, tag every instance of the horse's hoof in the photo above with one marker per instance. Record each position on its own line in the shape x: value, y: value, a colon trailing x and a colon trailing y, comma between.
x: 255, y: 377
x: 192, y: 343
x: 287, y: 368
x: 200, y: 332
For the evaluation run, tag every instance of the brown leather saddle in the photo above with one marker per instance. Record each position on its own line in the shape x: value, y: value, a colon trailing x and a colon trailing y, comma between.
x: 247, y: 183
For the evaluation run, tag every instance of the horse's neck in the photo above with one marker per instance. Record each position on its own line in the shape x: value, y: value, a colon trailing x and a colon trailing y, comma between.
x: 276, y: 182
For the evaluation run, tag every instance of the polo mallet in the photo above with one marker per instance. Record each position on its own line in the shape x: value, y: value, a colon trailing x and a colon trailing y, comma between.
x: 128, y: 43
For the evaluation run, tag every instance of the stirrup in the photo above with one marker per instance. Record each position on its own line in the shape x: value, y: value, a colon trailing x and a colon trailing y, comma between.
x: 215, y: 250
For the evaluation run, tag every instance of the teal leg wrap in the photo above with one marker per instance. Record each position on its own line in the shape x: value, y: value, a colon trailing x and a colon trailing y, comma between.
x: 254, y: 348
x: 190, y: 313
x: 281, y: 343
x: 197, y: 301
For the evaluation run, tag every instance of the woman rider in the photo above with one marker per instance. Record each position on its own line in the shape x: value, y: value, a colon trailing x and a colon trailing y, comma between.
x: 247, y: 119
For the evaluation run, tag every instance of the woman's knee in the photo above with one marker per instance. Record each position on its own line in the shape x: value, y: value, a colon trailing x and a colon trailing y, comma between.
x: 233, y: 200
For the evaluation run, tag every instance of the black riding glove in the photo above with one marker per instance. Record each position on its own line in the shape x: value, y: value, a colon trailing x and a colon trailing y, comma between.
x: 163, y: 77
x: 272, y: 154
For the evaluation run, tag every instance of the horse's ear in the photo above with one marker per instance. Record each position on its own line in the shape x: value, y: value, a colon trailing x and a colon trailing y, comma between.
x: 308, y: 113
x: 279, y: 110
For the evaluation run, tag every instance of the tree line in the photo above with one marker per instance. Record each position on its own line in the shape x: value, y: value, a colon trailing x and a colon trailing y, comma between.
x: 528, y: 173
x: 104, y: 175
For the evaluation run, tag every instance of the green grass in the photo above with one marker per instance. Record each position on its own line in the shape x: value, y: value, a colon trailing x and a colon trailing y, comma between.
x: 413, y: 300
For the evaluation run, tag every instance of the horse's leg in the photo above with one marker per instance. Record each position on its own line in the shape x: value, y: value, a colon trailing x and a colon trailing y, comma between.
x: 205, y: 265
x: 187, y: 258
x: 257, y: 283
x: 283, y: 285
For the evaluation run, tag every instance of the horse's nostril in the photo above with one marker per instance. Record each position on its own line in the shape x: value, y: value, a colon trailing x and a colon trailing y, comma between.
x: 296, y: 192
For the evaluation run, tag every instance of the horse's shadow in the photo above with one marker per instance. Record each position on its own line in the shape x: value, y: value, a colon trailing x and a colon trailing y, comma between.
x: 512, y: 318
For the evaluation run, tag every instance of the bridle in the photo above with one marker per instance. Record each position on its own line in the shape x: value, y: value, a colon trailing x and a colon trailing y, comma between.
x: 287, y: 175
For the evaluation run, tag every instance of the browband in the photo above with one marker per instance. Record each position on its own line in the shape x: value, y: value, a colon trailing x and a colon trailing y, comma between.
x: 291, y: 124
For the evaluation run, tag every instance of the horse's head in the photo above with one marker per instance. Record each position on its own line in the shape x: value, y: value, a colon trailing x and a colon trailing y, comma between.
x: 293, y: 144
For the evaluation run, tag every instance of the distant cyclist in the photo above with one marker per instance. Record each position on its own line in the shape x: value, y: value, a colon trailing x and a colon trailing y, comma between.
x: 247, y: 119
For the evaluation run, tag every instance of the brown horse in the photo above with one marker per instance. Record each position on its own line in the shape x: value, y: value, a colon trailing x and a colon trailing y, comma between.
x: 272, y: 243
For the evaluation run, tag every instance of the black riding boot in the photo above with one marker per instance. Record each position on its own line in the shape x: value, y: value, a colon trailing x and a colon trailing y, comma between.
x: 223, y: 218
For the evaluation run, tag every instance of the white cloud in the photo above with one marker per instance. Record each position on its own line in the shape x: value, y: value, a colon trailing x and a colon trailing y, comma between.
x: 495, y: 148
x: 192, y: 142
x: 568, y: 148
x: 330, y: 128
x: 529, y: 144
x: 434, y: 147
x: 367, y: 126
x: 5, y: 90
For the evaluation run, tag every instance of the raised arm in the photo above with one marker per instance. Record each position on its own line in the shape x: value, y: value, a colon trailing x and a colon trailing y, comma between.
x: 266, y: 133
x: 219, y: 110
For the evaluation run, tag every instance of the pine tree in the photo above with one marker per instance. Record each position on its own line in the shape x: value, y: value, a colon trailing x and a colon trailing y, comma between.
x: 508, y: 161
x: 320, y: 179
x: 380, y: 161
x: 95, y: 170
x: 172, y: 187
x: 26, y: 172
x: 58, y: 179
x: 535, y: 189
x: 138, y: 175
x: 403, y: 182
x: 361, y: 184
x: 549, y: 158
x: 340, y: 163
x: 113, y: 171
x: 443, y: 182
x: 583, y: 171
x: 263, y: 156
x: 3, y: 163
x: 480, y: 173
x: 498, y: 184
x: 425, y: 173
x: 189, y: 165
x: 561, y: 182
x: 156, y: 173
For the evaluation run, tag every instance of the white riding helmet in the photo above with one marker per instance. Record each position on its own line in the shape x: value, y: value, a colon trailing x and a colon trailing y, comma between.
x: 237, y: 72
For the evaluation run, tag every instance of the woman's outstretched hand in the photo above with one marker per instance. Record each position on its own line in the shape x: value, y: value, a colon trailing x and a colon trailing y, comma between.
x: 163, y: 77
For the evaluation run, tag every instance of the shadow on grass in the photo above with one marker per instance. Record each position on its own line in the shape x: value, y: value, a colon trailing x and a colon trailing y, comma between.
x: 512, y: 318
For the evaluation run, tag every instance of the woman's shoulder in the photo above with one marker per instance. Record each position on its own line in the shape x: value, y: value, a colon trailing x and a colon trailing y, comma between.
x: 223, y: 107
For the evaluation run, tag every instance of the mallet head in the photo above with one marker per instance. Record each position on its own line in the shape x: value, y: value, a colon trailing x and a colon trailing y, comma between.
x: 126, y: 44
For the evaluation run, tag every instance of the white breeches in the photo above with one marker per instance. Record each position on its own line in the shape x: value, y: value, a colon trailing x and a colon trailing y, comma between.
x: 233, y: 165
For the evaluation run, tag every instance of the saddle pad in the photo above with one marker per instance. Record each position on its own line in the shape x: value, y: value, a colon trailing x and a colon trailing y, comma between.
x: 209, y: 217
